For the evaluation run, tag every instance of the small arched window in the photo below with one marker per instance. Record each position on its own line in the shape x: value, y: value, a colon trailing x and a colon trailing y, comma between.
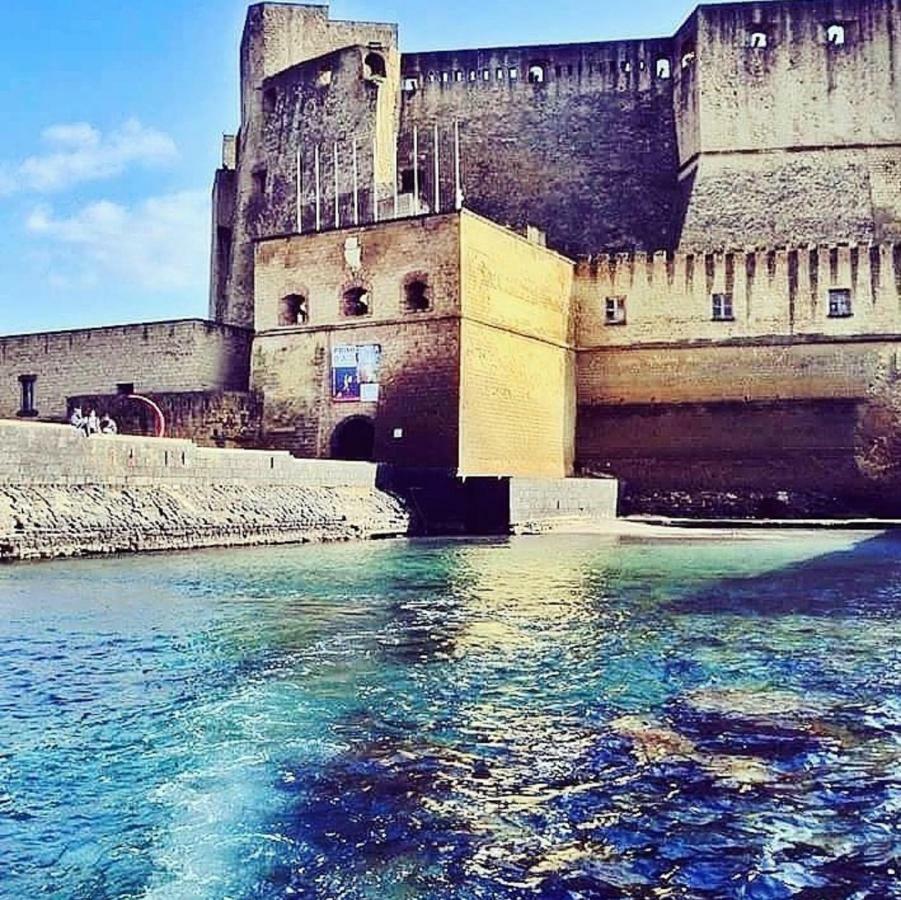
x: 663, y: 68
x: 537, y: 73
x: 293, y: 310
x: 374, y: 65
x: 758, y: 40
x: 417, y: 295
x: 356, y: 302
x: 836, y: 35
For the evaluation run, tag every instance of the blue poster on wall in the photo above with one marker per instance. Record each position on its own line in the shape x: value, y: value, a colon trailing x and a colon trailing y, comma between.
x: 355, y: 373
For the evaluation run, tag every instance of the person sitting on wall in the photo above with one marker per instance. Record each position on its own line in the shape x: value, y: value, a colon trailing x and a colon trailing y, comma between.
x: 93, y: 423
x: 77, y: 420
x: 108, y: 425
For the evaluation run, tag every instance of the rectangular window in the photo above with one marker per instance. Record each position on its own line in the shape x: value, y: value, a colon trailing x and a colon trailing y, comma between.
x: 26, y: 384
x: 125, y: 388
x: 615, y: 311
x: 722, y: 308
x: 840, y: 304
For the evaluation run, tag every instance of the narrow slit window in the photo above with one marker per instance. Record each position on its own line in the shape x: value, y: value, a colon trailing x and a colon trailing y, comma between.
x: 840, y: 304
x: 722, y: 308
x: 458, y: 75
x: 500, y: 74
x: 486, y: 75
x: 27, y: 390
x: 260, y: 177
x: 625, y: 67
x: 514, y: 73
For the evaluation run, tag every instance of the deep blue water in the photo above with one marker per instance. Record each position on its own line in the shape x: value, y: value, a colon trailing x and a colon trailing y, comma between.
x: 539, y: 717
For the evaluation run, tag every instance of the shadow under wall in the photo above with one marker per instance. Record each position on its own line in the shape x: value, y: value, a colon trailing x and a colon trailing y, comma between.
x: 778, y: 459
x: 440, y: 503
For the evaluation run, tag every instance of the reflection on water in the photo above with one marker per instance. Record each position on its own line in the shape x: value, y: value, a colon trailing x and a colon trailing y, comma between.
x: 538, y: 717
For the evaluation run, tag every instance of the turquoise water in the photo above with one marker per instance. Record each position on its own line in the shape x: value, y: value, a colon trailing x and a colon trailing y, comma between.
x: 535, y: 717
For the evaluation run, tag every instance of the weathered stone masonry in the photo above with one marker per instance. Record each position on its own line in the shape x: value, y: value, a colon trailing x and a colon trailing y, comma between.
x: 62, y: 494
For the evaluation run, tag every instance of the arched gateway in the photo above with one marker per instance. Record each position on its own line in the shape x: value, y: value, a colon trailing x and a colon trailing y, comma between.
x: 354, y: 439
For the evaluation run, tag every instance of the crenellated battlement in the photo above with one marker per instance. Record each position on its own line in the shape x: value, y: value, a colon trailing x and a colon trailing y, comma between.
x: 597, y: 66
x: 847, y: 290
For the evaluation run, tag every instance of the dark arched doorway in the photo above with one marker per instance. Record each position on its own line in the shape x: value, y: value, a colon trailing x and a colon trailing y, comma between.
x: 354, y: 438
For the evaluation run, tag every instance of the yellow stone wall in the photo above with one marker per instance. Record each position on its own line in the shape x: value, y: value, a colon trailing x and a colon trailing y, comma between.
x: 774, y: 293
x: 517, y: 397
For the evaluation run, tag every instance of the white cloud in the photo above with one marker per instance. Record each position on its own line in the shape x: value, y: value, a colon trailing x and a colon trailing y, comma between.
x: 161, y: 244
x: 78, y: 152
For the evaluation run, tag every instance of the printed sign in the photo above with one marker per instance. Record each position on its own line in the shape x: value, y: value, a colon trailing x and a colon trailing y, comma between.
x: 355, y: 373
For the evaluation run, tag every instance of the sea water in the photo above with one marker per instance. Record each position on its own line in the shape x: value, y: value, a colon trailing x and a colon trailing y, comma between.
x: 566, y: 716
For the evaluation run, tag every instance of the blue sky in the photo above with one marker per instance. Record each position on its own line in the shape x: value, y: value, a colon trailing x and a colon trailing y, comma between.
x: 112, y: 117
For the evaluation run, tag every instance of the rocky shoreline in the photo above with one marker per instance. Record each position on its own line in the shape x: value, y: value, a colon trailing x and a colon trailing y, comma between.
x: 59, y: 521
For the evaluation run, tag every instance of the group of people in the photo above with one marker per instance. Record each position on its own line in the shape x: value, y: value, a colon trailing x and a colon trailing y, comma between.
x: 92, y: 423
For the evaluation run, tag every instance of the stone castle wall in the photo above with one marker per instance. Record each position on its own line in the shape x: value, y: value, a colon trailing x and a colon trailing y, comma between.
x: 517, y: 393
x: 798, y: 140
x: 63, y: 494
x: 187, y: 355
x: 277, y: 37
x: 225, y: 419
x: 588, y: 155
x: 419, y: 373
x: 748, y: 127
x: 774, y: 292
x: 782, y: 409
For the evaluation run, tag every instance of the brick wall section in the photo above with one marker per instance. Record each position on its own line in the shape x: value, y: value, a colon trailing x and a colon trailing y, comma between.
x: 755, y: 371
x: 418, y: 394
x: 731, y: 429
x: 513, y: 352
x: 420, y: 350
x: 187, y: 355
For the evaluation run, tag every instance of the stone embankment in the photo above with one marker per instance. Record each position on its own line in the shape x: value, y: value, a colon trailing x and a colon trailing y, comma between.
x: 62, y: 494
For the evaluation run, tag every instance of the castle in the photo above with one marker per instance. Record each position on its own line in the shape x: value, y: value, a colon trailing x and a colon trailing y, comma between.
x: 676, y: 261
